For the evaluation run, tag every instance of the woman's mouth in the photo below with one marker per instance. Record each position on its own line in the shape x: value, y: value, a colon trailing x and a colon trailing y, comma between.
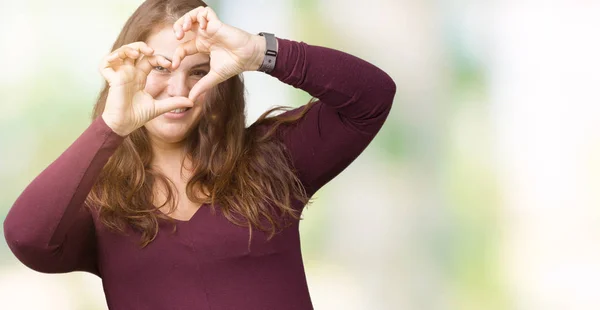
x: 177, y: 113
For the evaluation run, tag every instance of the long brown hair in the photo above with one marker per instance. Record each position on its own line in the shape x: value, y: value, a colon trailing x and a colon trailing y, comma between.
x: 245, y: 170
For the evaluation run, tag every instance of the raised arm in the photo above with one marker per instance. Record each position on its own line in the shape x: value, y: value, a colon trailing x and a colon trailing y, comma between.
x: 48, y: 229
x: 355, y: 98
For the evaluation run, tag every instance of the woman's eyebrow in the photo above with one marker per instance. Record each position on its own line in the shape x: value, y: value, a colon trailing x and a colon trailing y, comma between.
x: 194, y: 66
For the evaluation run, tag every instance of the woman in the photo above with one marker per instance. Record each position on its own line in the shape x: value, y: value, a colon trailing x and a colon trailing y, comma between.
x: 168, y: 148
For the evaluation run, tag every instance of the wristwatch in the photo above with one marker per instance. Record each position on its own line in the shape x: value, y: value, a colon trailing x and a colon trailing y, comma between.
x: 271, y: 54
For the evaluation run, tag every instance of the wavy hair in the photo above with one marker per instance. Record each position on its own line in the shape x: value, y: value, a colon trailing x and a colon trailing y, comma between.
x: 247, y: 171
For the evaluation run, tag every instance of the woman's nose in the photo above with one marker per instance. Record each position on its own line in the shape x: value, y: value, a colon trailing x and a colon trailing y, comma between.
x: 178, y: 85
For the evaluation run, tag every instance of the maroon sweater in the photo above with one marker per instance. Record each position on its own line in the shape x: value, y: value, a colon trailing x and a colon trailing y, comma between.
x: 206, y: 264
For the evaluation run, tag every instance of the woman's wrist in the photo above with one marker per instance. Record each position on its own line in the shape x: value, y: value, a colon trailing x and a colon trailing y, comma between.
x: 114, y: 127
x: 260, y: 48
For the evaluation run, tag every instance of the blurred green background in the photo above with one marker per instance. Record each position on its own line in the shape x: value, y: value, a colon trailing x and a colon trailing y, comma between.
x: 480, y: 192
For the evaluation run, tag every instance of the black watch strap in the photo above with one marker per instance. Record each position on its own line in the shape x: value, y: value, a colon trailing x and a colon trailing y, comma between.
x: 271, y: 54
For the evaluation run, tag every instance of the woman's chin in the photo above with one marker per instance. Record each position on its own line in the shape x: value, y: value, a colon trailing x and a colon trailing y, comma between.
x: 174, y: 135
x: 169, y: 131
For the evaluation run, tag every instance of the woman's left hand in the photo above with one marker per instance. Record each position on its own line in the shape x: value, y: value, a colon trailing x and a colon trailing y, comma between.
x: 232, y: 50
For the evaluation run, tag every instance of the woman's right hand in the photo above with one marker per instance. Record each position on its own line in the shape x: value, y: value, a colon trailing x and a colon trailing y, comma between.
x: 128, y: 107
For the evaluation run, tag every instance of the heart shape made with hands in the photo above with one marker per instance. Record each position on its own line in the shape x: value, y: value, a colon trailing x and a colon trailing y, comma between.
x: 231, y: 50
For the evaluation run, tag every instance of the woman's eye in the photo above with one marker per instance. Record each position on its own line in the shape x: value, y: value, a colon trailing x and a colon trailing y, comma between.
x: 160, y: 69
x: 199, y: 72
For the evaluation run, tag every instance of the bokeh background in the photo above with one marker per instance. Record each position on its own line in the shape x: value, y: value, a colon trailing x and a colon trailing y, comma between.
x: 480, y: 192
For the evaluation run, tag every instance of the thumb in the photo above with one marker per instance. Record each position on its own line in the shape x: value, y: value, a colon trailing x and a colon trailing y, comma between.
x: 165, y: 105
x: 207, y: 82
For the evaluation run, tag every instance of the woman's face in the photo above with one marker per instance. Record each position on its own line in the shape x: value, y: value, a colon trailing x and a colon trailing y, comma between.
x: 164, y: 83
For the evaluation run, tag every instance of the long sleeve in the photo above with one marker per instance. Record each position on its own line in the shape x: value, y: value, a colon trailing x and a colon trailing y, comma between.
x: 355, y: 98
x: 48, y: 229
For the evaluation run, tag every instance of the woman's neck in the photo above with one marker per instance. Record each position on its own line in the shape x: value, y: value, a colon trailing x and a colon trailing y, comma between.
x: 168, y: 158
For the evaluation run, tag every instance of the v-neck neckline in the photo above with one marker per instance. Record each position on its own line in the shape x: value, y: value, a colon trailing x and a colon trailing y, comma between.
x: 194, y: 215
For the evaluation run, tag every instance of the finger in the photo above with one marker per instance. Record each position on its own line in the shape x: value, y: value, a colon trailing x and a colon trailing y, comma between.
x: 200, y: 17
x: 165, y: 105
x: 146, y: 64
x: 108, y: 62
x: 130, y: 55
x: 114, y: 63
x: 131, y: 50
x: 186, y: 49
x: 187, y: 23
x: 141, y: 47
x: 209, y: 81
x: 107, y: 66
x: 106, y: 70
x: 178, y: 25
x: 211, y: 15
x: 117, y: 54
x: 183, y: 50
x: 123, y: 55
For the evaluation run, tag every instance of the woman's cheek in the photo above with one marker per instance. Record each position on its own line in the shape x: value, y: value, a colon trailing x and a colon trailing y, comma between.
x: 191, y: 82
x: 154, y: 86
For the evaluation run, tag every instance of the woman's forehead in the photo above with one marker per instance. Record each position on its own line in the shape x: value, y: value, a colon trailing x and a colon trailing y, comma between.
x: 164, y: 43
